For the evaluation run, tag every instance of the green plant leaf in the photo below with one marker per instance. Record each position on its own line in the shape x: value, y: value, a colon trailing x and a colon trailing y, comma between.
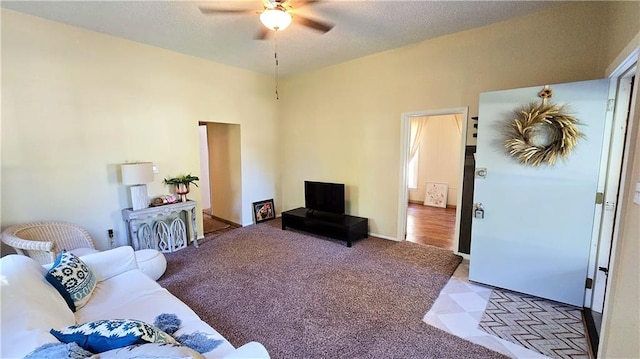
x: 187, y: 179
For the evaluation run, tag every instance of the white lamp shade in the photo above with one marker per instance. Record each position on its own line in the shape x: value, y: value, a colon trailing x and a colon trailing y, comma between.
x: 137, y: 173
x: 275, y: 19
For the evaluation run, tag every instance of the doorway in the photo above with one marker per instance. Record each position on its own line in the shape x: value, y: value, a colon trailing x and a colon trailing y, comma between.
x: 432, y: 179
x: 412, y: 197
x: 221, y: 172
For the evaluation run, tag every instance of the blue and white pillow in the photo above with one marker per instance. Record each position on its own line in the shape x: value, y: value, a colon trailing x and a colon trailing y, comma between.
x: 103, y: 335
x: 73, y: 279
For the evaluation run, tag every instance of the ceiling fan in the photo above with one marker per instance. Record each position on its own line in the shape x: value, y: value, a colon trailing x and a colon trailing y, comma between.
x: 276, y: 15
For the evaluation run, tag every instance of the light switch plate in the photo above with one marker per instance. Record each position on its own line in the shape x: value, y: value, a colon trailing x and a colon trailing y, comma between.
x: 155, y: 170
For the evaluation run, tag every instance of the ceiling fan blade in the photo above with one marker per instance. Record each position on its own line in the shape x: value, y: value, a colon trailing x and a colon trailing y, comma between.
x: 208, y: 10
x: 316, y: 25
x: 262, y: 34
x: 296, y: 4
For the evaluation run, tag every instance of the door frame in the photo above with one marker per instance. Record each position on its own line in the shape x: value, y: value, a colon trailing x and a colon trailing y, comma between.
x: 205, y: 190
x: 631, y: 60
x: 611, y: 181
x: 403, y: 196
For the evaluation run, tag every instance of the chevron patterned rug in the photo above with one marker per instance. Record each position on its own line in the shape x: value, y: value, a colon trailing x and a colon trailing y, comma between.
x: 550, y: 328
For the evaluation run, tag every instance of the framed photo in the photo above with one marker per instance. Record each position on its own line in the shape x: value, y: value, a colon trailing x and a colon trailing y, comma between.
x: 264, y: 210
x: 436, y: 194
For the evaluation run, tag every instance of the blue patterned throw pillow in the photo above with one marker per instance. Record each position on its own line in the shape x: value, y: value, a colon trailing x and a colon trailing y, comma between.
x: 73, y: 279
x: 103, y: 335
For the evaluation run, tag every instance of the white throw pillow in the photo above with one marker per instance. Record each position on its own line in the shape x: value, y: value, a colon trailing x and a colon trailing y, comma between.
x: 110, y: 263
x: 30, y: 307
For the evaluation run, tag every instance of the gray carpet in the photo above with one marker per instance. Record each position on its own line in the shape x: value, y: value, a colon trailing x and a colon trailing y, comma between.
x: 311, y: 297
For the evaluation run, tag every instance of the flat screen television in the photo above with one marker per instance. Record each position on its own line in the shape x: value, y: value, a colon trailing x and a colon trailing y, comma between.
x: 323, y: 196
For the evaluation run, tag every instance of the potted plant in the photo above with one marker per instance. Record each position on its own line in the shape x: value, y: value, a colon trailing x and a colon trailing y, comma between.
x: 182, y: 183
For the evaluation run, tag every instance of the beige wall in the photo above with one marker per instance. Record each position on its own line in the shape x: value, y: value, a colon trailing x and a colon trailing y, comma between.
x: 621, y: 328
x: 76, y: 103
x: 622, y: 20
x: 224, y: 167
x: 439, y: 157
x: 343, y: 122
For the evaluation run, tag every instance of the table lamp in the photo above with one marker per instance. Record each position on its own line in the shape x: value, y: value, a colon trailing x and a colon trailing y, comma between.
x: 137, y: 175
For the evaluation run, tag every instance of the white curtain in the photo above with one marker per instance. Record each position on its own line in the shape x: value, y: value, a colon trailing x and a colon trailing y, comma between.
x: 417, y: 126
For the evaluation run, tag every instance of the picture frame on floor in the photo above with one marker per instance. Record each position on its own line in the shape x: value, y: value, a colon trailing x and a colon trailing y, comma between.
x: 264, y: 210
x: 436, y: 194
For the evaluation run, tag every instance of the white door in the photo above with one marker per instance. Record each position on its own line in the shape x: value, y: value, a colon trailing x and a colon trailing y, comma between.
x: 537, y: 227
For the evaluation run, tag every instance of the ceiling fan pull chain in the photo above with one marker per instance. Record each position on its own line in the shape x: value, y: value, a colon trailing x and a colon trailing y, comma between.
x: 275, y: 39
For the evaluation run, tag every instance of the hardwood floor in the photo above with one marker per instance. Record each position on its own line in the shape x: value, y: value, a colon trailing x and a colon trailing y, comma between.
x: 431, y: 225
x: 214, y: 225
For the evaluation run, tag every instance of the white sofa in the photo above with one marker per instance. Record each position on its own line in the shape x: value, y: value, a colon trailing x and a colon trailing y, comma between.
x: 31, y: 307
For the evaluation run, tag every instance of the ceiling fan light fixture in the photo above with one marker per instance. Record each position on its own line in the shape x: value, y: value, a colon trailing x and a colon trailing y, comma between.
x: 275, y: 19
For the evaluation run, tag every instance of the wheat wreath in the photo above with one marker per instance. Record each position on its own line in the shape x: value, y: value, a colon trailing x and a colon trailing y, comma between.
x: 532, y: 119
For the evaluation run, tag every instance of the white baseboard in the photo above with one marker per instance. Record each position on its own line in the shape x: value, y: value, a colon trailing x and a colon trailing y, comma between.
x: 383, y: 237
x: 278, y: 215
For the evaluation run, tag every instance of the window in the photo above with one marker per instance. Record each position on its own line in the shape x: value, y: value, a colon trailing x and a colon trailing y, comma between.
x: 412, y: 171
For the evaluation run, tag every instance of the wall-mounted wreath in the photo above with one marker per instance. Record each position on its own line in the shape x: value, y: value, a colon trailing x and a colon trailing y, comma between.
x: 549, y: 122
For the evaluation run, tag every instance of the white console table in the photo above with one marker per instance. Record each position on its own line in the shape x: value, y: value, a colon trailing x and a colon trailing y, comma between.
x: 163, y: 227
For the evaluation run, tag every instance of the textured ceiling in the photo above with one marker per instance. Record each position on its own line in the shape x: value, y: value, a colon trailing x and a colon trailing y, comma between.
x: 361, y: 27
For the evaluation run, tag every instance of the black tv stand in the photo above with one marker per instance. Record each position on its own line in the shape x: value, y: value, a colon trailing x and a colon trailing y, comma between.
x: 339, y: 226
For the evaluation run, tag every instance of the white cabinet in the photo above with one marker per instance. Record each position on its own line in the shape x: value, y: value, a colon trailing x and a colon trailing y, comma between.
x: 165, y: 228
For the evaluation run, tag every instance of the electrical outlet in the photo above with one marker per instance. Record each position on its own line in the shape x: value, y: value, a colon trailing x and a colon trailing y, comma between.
x: 636, y: 197
x: 155, y: 170
x: 111, y: 240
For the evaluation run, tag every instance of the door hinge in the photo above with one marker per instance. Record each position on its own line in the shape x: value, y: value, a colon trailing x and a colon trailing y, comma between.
x: 589, y: 283
x: 610, y: 104
x: 599, y: 198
